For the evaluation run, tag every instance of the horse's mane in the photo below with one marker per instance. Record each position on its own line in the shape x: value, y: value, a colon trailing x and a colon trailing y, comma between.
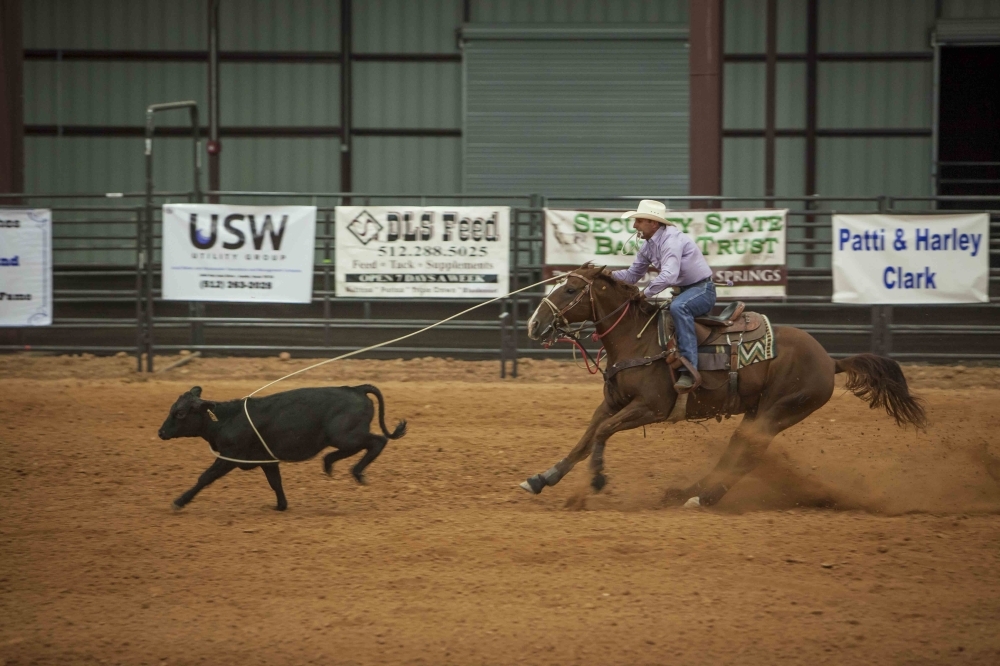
x: 628, y: 291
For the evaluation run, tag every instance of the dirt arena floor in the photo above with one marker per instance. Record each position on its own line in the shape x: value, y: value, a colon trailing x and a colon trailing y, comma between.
x: 441, y: 559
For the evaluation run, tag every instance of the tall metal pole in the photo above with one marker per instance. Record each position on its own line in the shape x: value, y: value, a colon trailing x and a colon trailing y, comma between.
x: 146, y: 257
x: 214, y: 145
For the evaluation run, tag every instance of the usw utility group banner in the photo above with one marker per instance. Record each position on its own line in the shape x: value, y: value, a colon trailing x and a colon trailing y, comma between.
x: 428, y: 252
x: 890, y: 259
x: 745, y: 246
x: 238, y: 253
x: 25, y: 267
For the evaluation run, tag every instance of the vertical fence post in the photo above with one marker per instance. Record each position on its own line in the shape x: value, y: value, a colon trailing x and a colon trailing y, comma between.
x: 326, y: 279
x: 882, y: 314
x: 147, y: 252
x: 504, y: 342
x: 139, y: 268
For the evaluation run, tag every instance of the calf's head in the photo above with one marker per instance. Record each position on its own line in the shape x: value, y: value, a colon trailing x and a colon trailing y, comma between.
x: 187, y: 416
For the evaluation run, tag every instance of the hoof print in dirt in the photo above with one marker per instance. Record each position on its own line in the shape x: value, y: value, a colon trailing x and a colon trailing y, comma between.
x: 675, y: 497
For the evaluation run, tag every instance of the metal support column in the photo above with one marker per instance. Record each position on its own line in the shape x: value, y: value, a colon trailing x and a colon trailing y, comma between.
x: 882, y: 314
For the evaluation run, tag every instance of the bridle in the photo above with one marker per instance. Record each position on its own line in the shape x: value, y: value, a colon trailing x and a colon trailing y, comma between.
x: 559, y: 321
x: 561, y: 327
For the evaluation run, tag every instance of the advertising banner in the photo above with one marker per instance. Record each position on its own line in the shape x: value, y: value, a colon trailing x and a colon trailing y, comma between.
x: 260, y: 254
x: 423, y: 252
x: 25, y: 267
x: 744, y: 246
x: 900, y: 259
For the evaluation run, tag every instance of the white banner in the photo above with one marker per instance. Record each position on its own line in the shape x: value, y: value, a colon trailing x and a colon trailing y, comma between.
x: 25, y: 267
x: 424, y: 252
x: 238, y: 253
x: 745, y: 246
x: 889, y: 259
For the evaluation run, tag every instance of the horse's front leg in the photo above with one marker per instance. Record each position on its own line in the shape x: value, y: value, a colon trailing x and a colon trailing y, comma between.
x: 603, y: 424
x: 635, y: 414
x: 535, y: 484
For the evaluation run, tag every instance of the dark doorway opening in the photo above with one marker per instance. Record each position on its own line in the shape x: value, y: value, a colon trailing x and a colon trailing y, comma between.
x: 969, y: 125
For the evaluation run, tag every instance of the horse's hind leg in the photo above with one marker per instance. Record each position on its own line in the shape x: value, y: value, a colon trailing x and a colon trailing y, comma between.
x: 747, y: 446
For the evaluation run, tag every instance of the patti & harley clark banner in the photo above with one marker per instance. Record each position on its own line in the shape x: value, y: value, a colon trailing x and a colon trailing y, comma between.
x: 898, y: 259
x: 259, y: 254
x: 423, y: 252
x: 25, y: 267
x: 744, y: 246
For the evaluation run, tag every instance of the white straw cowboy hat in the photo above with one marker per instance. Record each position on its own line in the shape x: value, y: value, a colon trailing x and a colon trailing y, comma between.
x: 649, y: 209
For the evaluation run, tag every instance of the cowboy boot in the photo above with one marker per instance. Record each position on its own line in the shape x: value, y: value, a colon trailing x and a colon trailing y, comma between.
x: 684, y: 382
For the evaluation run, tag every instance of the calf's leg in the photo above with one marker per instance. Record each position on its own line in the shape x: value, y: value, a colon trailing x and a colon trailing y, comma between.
x: 217, y: 470
x: 334, y: 456
x: 375, y: 444
x: 273, y: 475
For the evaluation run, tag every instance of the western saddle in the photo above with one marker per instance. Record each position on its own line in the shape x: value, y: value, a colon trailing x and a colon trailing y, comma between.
x: 714, y: 329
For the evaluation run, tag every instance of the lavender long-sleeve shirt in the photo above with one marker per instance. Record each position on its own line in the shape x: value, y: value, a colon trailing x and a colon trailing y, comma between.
x: 674, y: 255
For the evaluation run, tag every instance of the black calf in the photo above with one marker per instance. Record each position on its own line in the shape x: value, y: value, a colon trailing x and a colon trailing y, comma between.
x: 295, y: 424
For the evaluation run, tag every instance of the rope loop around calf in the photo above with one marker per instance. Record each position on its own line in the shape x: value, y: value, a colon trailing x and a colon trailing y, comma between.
x: 355, y: 353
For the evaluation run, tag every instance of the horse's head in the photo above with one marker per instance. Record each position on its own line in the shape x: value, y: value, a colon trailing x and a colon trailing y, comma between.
x: 579, y: 298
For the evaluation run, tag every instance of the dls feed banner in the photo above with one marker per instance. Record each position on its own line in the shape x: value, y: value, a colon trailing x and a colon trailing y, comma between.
x: 423, y: 252
x: 745, y: 246
x: 260, y: 254
x: 25, y: 267
x: 889, y: 259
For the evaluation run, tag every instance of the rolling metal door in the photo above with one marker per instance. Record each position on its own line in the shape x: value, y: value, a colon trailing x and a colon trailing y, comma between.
x: 575, y: 111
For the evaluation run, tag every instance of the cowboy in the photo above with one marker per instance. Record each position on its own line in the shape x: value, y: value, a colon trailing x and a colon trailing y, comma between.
x: 681, y: 265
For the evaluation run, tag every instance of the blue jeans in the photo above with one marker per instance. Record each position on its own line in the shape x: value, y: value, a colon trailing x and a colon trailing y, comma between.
x: 695, y: 301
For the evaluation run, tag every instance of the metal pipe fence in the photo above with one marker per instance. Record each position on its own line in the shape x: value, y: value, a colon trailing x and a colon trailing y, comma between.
x: 107, y: 263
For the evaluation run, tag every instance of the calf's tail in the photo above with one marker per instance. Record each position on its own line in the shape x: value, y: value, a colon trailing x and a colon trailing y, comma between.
x: 400, y: 427
x: 880, y: 382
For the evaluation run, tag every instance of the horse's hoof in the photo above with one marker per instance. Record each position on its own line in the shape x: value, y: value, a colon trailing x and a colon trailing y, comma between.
x: 693, y: 503
x: 533, y: 484
x: 360, y: 478
x: 598, y: 482
x: 176, y: 506
x: 281, y: 507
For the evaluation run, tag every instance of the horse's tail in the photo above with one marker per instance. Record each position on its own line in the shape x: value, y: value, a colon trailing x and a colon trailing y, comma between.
x: 400, y: 427
x: 880, y: 382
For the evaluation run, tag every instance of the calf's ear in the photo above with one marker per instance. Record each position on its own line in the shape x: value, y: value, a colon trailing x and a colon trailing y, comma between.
x: 195, y: 391
x: 205, y: 405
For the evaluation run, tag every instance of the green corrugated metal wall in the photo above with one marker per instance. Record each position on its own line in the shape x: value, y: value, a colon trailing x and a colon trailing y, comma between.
x: 427, y: 95
x: 884, y: 95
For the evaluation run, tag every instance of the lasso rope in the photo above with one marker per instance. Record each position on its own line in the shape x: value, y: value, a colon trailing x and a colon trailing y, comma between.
x: 355, y: 353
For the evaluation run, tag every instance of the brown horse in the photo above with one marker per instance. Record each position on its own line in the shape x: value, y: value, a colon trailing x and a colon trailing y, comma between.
x: 773, y: 395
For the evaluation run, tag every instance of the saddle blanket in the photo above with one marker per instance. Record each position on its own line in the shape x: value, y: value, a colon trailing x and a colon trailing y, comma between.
x: 717, y: 356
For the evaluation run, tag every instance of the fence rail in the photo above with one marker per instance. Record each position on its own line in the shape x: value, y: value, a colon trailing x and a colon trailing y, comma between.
x: 106, y: 287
